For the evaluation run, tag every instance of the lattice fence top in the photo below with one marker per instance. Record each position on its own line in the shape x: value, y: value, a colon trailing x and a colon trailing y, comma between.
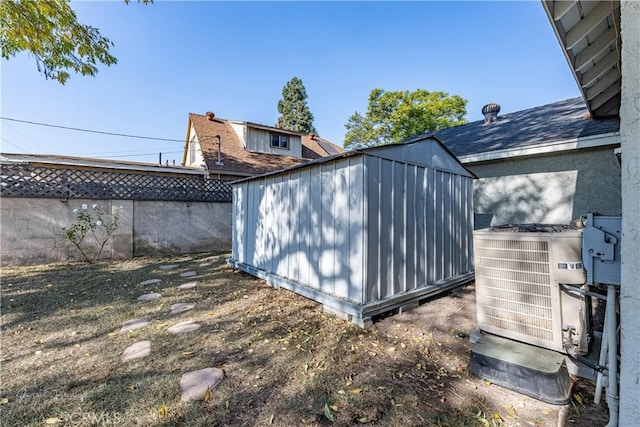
x: 64, y: 183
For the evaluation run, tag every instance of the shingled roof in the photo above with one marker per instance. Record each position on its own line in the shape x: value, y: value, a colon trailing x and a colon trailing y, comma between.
x: 239, y: 161
x: 561, y: 121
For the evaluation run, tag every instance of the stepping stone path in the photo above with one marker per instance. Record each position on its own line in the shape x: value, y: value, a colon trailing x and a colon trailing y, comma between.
x: 188, y: 285
x: 136, y: 351
x: 184, y: 327
x: 181, y: 307
x: 195, y: 384
x: 149, y: 297
x: 133, y: 324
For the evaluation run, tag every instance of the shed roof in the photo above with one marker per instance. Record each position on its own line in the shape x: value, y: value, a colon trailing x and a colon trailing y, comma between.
x: 561, y: 121
x: 383, y: 151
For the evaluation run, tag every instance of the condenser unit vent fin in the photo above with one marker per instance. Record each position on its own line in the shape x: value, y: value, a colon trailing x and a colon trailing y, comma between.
x: 513, y: 287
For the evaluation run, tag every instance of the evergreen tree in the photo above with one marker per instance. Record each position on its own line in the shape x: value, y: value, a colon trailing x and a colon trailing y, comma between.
x: 295, y: 113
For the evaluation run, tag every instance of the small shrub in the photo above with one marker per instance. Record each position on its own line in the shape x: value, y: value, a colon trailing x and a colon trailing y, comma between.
x: 94, y: 222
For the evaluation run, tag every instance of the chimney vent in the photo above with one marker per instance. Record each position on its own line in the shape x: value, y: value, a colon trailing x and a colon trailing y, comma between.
x: 210, y: 115
x: 490, y: 112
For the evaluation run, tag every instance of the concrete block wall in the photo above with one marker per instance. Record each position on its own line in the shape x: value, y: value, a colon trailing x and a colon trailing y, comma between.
x: 31, y: 229
x: 162, y: 228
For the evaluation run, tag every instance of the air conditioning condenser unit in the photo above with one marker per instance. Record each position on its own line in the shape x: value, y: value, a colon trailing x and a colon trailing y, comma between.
x: 520, y: 273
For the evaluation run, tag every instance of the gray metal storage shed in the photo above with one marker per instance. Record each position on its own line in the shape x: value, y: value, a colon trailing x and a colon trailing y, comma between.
x: 363, y: 232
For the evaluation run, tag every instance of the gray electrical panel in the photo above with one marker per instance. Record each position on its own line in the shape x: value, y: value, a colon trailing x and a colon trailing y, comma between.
x: 601, y: 249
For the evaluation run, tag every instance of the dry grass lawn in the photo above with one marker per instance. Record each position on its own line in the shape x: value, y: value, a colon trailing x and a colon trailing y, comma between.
x: 286, y: 362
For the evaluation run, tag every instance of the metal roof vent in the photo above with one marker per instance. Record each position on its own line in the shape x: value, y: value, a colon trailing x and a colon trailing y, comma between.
x: 210, y: 115
x: 490, y: 112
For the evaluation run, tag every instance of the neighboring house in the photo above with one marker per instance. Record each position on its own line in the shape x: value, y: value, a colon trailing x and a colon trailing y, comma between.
x: 548, y: 164
x: 234, y: 149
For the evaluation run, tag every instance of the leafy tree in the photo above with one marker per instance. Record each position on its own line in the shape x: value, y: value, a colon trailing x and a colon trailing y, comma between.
x: 295, y: 113
x: 394, y: 116
x: 51, y: 32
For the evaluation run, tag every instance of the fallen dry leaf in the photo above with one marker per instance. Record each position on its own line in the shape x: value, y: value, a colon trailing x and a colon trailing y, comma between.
x: 163, y: 410
x: 53, y: 420
x: 511, y: 411
x: 207, y: 394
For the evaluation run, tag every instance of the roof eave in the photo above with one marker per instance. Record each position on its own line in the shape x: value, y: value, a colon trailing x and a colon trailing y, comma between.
x: 603, y: 140
x: 593, y: 54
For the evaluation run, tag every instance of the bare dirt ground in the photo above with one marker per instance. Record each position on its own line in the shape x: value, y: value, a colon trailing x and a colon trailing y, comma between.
x: 286, y: 362
x: 442, y: 318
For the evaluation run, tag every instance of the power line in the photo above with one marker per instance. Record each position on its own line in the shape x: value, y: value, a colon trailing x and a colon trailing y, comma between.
x: 9, y: 142
x: 141, y: 155
x: 91, y: 131
x: 23, y: 137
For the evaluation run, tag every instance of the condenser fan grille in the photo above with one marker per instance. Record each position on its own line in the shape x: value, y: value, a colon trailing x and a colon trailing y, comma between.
x: 514, y: 290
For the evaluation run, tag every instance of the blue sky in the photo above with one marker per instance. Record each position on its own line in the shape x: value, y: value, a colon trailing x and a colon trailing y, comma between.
x: 233, y: 58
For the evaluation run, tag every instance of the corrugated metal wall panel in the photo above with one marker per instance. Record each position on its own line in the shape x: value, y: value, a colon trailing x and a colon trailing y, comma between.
x: 356, y: 226
x: 411, y: 227
x: 421, y: 231
x: 315, y: 243
x: 371, y: 289
x: 398, y: 236
x: 237, y: 229
x: 420, y: 235
x: 328, y: 231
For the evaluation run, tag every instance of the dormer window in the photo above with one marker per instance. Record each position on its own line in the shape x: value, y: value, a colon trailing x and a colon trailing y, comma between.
x: 279, y: 141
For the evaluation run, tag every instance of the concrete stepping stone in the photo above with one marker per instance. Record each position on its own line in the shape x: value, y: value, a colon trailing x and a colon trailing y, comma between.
x: 184, y: 327
x: 194, y: 384
x: 169, y: 266
x: 188, y: 285
x: 150, y: 282
x: 213, y: 258
x: 149, y: 297
x: 133, y: 324
x: 136, y: 351
x: 181, y: 307
x: 204, y: 264
x: 188, y: 274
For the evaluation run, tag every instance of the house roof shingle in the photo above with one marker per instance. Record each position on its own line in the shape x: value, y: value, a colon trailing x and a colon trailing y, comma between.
x: 560, y: 121
x: 238, y: 160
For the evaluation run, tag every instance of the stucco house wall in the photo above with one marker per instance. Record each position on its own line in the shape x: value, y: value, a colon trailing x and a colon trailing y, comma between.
x: 552, y: 188
x: 630, y: 286
x: 547, y: 164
